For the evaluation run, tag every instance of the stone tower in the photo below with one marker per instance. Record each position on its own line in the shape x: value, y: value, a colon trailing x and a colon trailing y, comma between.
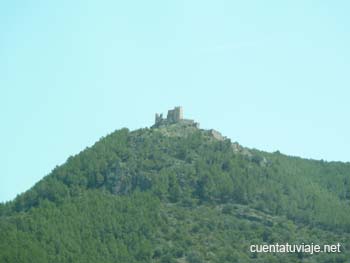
x: 175, y: 115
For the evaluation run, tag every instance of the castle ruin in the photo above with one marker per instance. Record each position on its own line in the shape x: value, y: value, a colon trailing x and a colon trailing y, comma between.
x: 174, y: 116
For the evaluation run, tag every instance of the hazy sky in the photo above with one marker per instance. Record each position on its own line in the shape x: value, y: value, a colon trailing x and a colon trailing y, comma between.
x: 272, y: 75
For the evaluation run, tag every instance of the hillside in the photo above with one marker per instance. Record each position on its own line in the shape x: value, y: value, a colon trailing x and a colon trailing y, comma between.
x: 177, y: 193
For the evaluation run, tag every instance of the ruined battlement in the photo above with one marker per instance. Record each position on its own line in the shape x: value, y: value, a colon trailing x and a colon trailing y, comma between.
x: 174, y: 116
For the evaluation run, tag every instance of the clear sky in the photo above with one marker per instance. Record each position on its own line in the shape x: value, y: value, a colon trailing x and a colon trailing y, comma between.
x: 272, y: 75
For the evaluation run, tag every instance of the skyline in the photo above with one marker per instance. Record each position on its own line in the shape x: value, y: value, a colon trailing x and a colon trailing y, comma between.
x: 272, y: 76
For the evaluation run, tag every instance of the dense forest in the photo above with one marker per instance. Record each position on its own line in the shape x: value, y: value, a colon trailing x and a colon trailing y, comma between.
x: 177, y: 194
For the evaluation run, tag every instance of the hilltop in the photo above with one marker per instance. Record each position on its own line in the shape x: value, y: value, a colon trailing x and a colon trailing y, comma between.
x: 177, y: 193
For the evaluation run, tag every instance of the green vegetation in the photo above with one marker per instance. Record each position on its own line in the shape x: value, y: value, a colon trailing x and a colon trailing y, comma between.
x: 176, y: 194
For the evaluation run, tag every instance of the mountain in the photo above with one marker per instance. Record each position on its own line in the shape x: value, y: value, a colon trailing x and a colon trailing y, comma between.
x: 178, y: 193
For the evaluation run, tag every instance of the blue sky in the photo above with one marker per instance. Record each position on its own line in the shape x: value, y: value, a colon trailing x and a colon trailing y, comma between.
x: 272, y: 75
